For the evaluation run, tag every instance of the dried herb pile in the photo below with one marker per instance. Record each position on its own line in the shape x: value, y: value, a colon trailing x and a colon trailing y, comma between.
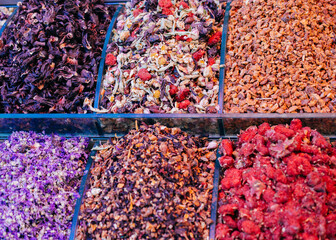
x: 153, y: 183
x: 278, y: 182
x: 4, y: 14
x: 164, y: 58
x: 39, y: 182
x: 281, y: 57
x: 49, y: 55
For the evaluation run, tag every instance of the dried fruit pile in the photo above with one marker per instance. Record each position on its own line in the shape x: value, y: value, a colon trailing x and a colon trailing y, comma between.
x: 279, y: 183
x: 154, y: 183
x: 281, y: 56
x: 5, y: 12
x: 49, y: 55
x: 164, y: 58
x: 39, y: 182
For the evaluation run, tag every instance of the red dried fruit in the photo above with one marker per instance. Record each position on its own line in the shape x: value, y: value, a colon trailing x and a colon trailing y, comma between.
x: 232, y: 178
x: 263, y: 128
x: 295, y: 124
x: 172, y: 90
x: 182, y: 94
x: 268, y: 195
x: 319, y: 141
x: 184, y: 104
x: 246, y: 149
x: 284, y: 130
x: 215, y: 38
x: 226, y: 161
x: 167, y: 11
x: 226, y: 147
x: 198, y: 54
x: 165, y: 3
x: 228, y: 209
x: 274, y: 136
x: 320, y: 158
x: 144, y: 75
x: 309, y: 149
x: 110, y: 59
x: 247, y: 135
x: 137, y: 11
x: 222, y: 231
x: 250, y: 227
x: 228, y: 221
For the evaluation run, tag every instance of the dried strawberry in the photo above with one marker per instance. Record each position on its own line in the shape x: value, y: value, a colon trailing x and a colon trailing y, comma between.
x: 222, y: 231
x: 227, y: 220
x: 165, y: 3
x: 248, y: 134
x: 227, y: 209
x: 226, y: 161
x: 263, y: 128
x: 182, y: 94
x: 172, y: 90
x: 295, y: 124
x: 167, y: 11
x: 144, y: 75
x: 184, y: 104
x: 198, y: 54
x: 246, y: 149
x: 215, y: 38
x: 110, y: 59
x: 226, y: 147
x: 137, y: 11
x: 284, y: 130
x: 319, y: 141
x: 250, y: 227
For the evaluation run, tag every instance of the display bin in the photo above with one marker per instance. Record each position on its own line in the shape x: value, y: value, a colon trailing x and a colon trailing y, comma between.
x: 99, y: 95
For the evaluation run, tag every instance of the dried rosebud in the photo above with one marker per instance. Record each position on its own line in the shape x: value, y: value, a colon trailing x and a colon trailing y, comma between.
x: 198, y: 54
x: 173, y: 90
x: 144, y: 75
x: 165, y: 3
x: 184, y: 104
x: 182, y: 94
x: 167, y: 11
x: 137, y: 11
x: 215, y: 38
x: 110, y: 59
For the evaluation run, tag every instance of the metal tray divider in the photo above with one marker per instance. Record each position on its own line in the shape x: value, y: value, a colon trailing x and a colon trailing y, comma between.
x: 8, y: 20
x: 222, y: 57
x: 103, y: 57
x: 81, y: 192
x: 214, y: 199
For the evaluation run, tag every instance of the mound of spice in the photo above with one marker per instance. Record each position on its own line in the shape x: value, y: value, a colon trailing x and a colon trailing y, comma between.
x: 164, y: 58
x: 281, y: 57
x: 278, y: 182
x: 5, y: 12
x: 153, y: 183
x: 50, y: 54
x: 39, y: 181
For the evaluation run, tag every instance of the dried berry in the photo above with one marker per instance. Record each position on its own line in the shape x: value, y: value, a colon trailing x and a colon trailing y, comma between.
x: 215, y: 38
x: 173, y: 90
x: 198, y: 54
x: 110, y: 59
x: 144, y: 75
x: 184, y: 104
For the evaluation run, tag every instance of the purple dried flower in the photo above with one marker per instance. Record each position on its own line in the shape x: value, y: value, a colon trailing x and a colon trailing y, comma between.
x: 39, y: 180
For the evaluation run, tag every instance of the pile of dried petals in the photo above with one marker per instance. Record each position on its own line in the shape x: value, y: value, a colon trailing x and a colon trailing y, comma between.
x: 281, y: 56
x: 153, y: 183
x: 49, y: 55
x: 39, y: 181
x: 279, y: 183
x: 164, y: 58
